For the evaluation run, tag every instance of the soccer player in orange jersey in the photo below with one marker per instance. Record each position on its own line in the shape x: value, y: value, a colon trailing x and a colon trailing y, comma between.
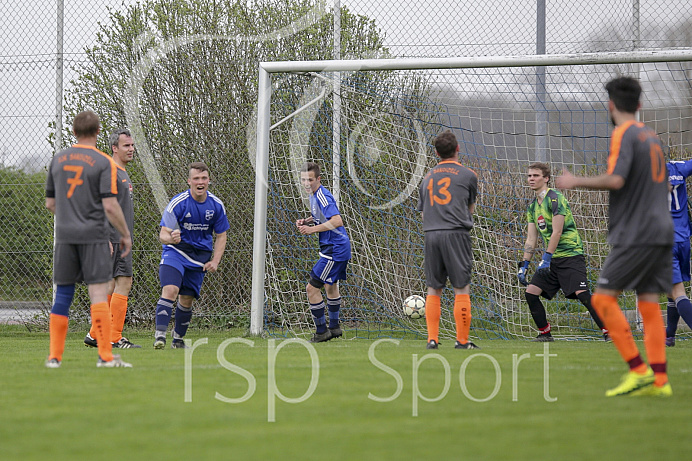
x: 447, y: 198
x: 81, y: 191
x: 123, y: 148
x: 640, y: 231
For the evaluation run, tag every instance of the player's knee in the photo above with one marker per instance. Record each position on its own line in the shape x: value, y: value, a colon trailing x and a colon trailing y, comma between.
x: 584, y: 296
x: 311, y: 290
x: 123, y: 285
x: 170, y: 292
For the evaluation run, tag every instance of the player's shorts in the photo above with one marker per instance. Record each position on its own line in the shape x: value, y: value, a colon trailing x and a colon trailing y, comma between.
x: 327, y: 271
x: 122, y: 267
x: 647, y: 269
x: 681, y: 262
x: 568, y: 274
x: 89, y: 263
x: 176, y: 270
x: 448, y: 254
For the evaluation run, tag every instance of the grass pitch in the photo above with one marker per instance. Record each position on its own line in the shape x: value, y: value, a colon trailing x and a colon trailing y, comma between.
x: 345, y: 399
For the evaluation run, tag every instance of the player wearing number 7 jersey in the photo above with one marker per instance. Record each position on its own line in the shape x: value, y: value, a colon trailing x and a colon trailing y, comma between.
x: 640, y: 231
x: 447, y: 197
x: 81, y: 190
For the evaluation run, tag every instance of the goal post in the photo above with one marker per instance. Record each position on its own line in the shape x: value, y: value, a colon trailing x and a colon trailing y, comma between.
x: 392, y: 108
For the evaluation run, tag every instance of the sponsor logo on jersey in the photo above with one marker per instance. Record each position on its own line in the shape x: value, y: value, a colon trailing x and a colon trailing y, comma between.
x: 541, y: 223
x: 195, y: 227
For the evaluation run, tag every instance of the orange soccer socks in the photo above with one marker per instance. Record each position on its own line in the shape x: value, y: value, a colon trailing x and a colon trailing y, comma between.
x: 101, y: 323
x: 92, y: 330
x: 654, y: 340
x: 432, y: 317
x: 118, y: 308
x: 58, y: 334
x: 619, y: 330
x: 59, y: 320
x: 462, y: 317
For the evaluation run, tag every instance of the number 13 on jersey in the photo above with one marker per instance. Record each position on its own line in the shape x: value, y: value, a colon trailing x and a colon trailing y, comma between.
x: 438, y: 191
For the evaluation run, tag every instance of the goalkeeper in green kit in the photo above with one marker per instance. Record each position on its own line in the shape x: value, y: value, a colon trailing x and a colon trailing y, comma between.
x: 563, y: 265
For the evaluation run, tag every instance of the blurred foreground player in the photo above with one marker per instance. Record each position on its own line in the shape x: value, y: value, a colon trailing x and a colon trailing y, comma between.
x: 640, y: 231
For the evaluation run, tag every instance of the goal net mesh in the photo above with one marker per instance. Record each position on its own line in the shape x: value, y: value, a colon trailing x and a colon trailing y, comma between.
x: 503, y: 121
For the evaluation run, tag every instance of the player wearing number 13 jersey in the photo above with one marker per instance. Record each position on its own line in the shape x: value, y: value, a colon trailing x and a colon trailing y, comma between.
x: 447, y: 197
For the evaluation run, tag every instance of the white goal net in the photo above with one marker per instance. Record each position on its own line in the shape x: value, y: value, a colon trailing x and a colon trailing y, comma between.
x: 370, y: 124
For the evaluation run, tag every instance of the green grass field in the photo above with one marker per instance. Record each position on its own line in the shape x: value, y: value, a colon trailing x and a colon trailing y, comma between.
x: 81, y: 412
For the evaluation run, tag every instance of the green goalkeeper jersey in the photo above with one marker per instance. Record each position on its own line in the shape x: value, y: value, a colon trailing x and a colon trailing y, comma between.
x: 554, y: 203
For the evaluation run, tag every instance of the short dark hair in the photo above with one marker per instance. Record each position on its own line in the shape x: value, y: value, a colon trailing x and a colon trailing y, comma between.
x: 625, y: 93
x: 201, y: 166
x: 543, y: 167
x: 114, y: 138
x: 446, y: 144
x: 86, y: 124
x: 311, y: 166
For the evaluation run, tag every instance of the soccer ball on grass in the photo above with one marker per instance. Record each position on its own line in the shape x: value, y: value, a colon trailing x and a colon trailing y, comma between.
x: 414, y: 307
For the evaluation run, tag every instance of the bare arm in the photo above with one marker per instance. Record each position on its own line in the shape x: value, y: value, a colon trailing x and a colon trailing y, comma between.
x: 169, y: 236
x: 601, y: 182
x: 219, y: 247
x: 558, y: 225
x: 334, y: 222
x: 530, y: 244
x: 116, y: 217
x: 472, y: 208
x: 50, y: 204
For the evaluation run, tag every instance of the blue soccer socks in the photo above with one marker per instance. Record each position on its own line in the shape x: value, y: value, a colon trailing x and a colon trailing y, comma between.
x: 164, y: 310
x: 183, y: 315
x: 317, y: 311
x: 334, y: 305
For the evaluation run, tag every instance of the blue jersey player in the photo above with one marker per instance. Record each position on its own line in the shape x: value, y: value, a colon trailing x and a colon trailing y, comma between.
x: 187, y: 227
x: 335, y: 252
x: 679, y: 304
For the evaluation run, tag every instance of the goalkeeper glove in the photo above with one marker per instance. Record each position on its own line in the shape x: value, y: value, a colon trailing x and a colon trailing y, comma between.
x: 544, y: 267
x: 521, y: 275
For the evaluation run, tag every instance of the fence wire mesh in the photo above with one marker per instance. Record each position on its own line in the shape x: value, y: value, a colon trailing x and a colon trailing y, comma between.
x: 196, y: 64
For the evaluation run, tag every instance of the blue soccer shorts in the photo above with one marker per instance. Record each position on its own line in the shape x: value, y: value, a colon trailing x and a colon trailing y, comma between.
x: 327, y: 271
x: 681, y: 262
x: 176, y: 270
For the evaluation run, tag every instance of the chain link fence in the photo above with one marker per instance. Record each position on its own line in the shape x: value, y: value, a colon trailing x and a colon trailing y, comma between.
x: 185, y: 72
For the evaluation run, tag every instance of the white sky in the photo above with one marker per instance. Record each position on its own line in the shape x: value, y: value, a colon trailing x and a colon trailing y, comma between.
x: 412, y: 28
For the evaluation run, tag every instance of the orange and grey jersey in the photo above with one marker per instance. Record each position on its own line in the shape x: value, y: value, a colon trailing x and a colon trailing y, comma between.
x: 639, y: 213
x: 126, y: 201
x: 445, y: 195
x: 79, y: 178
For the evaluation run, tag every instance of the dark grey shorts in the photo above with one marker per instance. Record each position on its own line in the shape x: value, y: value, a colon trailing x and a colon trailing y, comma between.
x: 88, y: 263
x: 643, y: 269
x: 448, y: 254
x: 122, y: 267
